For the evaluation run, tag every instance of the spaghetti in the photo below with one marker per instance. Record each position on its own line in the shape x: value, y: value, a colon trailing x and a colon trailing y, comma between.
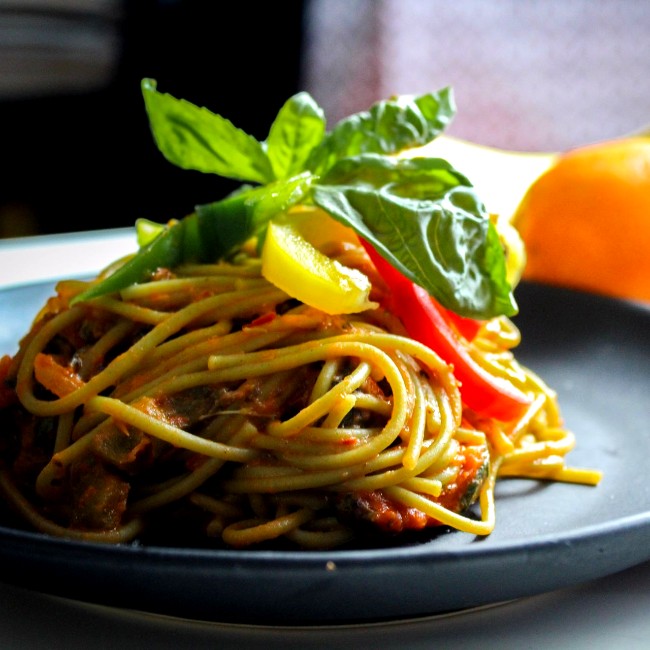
x: 209, y: 401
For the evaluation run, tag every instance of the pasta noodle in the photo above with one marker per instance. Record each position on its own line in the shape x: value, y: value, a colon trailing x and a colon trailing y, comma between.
x: 208, y: 401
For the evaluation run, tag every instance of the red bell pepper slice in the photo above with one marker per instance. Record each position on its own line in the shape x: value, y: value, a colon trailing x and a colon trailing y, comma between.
x: 467, y: 327
x: 430, y: 324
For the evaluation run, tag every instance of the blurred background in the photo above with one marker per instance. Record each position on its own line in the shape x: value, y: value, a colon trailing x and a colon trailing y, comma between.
x: 78, y: 154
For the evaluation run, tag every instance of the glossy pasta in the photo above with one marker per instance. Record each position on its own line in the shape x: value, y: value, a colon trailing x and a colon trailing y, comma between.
x: 207, y: 400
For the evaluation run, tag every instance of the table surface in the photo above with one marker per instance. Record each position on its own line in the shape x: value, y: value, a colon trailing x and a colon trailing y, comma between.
x: 598, y: 614
x: 609, y: 612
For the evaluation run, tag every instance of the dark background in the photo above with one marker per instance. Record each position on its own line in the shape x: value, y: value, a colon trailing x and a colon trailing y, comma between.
x: 87, y: 160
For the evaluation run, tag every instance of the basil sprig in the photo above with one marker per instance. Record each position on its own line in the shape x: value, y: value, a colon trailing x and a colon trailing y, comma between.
x: 421, y: 214
x: 425, y: 218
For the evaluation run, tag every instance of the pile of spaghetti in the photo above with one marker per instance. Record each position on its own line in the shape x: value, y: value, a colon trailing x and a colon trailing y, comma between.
x: 205, y: 398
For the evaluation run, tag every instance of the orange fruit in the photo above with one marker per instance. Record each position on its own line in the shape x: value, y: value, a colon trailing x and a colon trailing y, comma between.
x: 585, y: 222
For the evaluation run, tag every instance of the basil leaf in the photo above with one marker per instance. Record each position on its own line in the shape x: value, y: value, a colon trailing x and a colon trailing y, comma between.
x: 426, y: 220
x: 298, y: 128
x: 195, y: 138
x: 226, y: 224
x: 208, y: 234
x: 388, y: 127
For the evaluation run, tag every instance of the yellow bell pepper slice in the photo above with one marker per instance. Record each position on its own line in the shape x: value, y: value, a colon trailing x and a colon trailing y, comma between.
x: 319, y: 229
x: 297, y: 267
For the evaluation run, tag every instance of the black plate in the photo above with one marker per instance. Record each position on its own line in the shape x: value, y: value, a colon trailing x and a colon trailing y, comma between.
x: 594, y: 351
